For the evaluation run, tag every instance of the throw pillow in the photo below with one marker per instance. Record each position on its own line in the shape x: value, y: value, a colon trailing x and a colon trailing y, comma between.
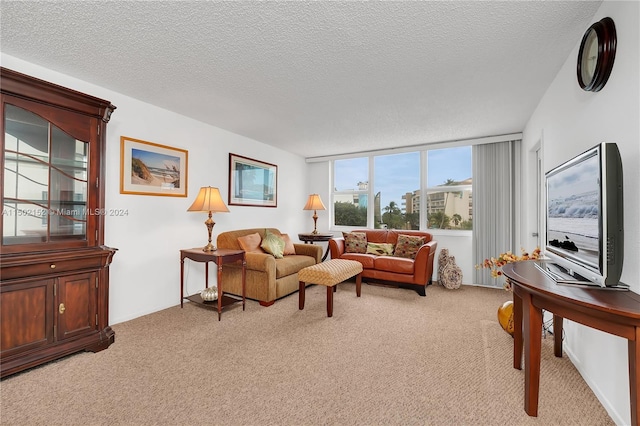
x: 288, y: 245
x: 381, y: 249
x: 355, y: 242
x: 251, y: 243
x: 273, y: 244
x: 408, y: 246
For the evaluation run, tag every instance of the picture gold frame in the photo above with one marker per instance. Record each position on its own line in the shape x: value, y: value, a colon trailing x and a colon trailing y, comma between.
x: 148, y: 168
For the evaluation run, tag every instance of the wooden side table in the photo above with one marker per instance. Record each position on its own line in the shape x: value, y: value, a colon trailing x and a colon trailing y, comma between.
x: 310, y: 238
x: 219, y: 257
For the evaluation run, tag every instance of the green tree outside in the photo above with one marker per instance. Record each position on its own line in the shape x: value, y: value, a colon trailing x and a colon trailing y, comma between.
x: 348, y: 214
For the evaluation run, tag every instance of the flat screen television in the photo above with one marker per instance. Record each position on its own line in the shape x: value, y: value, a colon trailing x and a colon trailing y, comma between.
x: 584, y: 218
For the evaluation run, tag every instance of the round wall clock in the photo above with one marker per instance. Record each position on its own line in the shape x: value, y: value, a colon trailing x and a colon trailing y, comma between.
x: 596, y: 55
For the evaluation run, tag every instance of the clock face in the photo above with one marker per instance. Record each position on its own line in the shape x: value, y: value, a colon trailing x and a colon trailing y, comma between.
x: 589, y: 57
x: 596, y: 55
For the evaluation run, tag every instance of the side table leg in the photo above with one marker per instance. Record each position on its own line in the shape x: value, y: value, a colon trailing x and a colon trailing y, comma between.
x: 301, y: 296
x: 532, y: 348
x: 244, y: 281
x: 557, y: 335
x: 220, y: 291
x: 517, y: 331
x: 634, y: 377
x: 182, y: 282
x: 326, y: 253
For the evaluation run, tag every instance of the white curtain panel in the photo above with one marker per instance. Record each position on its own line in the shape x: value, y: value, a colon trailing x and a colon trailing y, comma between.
x: 494, y: 183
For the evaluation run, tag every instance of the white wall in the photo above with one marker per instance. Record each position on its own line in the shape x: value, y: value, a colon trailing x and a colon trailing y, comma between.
x: 145, y: 274
x: 569, y: 121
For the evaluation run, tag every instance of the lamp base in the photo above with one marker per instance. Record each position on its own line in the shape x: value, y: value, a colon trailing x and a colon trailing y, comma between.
x: 209, y: 222
x: 209, y: 247
x: 315, y: 222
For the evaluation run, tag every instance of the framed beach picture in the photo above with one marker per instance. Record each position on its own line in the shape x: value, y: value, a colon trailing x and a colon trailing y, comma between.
x: 252, y: 182
x: 148, y: 168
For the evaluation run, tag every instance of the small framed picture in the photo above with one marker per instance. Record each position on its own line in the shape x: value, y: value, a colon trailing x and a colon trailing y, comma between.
x: 252, y: 182
x: 148, y: 168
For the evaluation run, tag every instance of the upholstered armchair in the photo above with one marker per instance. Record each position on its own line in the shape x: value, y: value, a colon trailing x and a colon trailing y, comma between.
x: 267, y: 278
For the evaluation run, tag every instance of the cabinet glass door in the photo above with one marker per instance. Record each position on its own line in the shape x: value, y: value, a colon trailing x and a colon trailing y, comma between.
x: 45, y: 181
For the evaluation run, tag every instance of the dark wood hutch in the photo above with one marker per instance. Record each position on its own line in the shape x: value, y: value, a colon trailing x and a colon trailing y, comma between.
x: 54, y: 267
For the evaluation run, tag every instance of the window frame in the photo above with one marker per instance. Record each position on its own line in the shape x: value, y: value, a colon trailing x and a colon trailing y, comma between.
x: 424, y: 190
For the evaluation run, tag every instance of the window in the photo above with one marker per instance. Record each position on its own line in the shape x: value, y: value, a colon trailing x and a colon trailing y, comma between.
x: 443, y: 201
x: 351, y: 192
x: 397, y: 191
x: 449, y: 197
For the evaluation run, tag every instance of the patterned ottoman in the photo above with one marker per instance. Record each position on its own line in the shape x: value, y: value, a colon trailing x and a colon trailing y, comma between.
x: 329, y: 274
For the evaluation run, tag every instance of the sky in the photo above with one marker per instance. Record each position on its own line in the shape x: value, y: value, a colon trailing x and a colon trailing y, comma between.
x: 156, y: 160
x: 579, y: 179
x: 396, y: 174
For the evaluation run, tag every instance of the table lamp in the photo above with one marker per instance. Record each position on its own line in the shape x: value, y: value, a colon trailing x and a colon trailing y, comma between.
x: 314, y: 203
x: 208, y: 200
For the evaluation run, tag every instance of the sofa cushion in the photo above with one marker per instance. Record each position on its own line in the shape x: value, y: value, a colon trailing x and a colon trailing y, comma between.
x: 376, y: 235
x: 251, y: 243
x: 408, y: 246
x: 381, y: 249
x: 289, y: 248
x: 397, y: 265
x: 366, y: 259
x: 273, y: 244
x: 292, y: 264
x: 355, y: 242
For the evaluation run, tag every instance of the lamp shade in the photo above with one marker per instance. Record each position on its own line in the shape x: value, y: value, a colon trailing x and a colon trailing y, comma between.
x: 208, y: 200
x: 314, y: 203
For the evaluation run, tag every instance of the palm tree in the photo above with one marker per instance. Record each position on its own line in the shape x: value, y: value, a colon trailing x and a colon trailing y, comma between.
x: 392, y: 208
x: 456, y: 218
x: 393, y: 216
x: 438, y: 220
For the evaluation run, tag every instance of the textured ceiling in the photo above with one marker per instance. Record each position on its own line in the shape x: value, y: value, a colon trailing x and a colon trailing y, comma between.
x: 315, y: 78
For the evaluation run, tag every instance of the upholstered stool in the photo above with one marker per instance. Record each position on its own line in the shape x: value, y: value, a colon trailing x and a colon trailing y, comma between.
x: 329, y: 274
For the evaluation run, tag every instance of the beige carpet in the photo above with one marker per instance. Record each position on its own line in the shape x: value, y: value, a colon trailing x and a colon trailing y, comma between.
x: 387, y: 358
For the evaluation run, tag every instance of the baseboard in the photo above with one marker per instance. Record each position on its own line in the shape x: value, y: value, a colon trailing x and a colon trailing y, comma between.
x: 613, y: 413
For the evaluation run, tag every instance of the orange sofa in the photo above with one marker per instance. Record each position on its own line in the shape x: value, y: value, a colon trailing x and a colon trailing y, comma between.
x: 414, y: 273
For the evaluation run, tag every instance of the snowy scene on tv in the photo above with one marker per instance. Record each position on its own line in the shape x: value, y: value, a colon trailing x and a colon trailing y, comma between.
x: 573, y: 203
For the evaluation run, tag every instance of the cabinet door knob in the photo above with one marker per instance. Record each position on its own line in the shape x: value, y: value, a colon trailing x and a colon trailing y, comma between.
x: 52, y: 266
x: 61, y: 308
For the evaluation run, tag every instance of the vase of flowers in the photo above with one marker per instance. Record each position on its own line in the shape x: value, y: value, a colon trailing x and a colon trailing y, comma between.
x: 505, y: 312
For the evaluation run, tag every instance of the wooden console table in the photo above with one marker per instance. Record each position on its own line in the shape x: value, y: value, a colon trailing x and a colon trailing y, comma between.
x: 219, y: 257
x: 614, y: 312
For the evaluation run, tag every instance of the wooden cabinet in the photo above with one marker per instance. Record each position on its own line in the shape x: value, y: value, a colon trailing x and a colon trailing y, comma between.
x: 54, y: 267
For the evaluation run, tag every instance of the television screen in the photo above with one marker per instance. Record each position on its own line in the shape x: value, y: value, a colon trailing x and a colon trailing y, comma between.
x: 572, y: 210
x: 584, y: 218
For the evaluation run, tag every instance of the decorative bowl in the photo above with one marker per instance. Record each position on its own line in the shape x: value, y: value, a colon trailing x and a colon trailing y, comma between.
x: 209, y: 294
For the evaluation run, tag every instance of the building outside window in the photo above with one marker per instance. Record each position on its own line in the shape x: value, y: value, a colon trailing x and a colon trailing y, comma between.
x: 351, y: 192
x: 400, y: 201
x: 449, y: 184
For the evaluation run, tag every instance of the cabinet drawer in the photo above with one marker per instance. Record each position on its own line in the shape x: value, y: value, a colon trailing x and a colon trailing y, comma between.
x: 51, y: 265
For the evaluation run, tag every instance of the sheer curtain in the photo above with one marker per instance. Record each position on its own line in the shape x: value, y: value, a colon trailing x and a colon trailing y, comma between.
x: 494, y: 184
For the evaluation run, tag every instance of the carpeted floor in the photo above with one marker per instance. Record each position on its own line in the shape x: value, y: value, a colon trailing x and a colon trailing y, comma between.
x: 390, y: 357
